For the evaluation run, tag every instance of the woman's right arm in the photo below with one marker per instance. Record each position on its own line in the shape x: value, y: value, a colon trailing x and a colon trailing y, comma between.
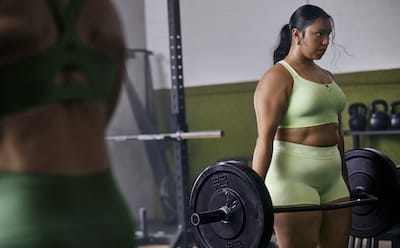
x: 270, y: 103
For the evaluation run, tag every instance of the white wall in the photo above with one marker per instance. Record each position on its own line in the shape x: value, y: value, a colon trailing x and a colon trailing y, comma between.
x: 369, y: 30
x: 227, y: 41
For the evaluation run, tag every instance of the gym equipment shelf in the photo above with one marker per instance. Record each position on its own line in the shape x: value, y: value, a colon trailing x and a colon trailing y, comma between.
x: 356, y: 134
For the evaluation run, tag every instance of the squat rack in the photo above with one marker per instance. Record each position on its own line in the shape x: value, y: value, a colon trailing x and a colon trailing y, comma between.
x: 179, y: 130
x: 184, y: 235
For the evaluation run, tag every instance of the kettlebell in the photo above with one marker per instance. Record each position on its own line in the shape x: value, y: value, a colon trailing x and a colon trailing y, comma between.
x: 380, y: 119
x: 395, y: 120
x: 358, y: 116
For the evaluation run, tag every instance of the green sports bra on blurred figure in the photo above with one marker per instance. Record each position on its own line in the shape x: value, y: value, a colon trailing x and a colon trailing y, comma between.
x: 30, y: 82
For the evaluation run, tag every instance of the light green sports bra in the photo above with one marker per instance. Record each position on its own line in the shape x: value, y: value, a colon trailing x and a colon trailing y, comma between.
x: 310, y: 103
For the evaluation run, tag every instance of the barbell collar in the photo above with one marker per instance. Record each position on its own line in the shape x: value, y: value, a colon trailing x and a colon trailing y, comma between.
x: 221, y: 214
x: 169, y: 136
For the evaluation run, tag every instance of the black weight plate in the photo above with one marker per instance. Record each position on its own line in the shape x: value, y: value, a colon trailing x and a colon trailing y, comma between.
x: 252, y: 225
x: 377, y: 174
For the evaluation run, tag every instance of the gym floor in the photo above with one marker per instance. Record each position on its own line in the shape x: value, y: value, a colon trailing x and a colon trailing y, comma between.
x: 154, y: 246
x: 382, y: 244
x: 156, y: 225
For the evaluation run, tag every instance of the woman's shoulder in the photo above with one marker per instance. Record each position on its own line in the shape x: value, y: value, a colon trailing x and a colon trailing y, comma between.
x: 275, y: 80
x: 277, y: 74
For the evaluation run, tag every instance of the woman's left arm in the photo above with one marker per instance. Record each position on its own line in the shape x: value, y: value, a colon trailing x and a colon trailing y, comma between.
x: 341, y: 150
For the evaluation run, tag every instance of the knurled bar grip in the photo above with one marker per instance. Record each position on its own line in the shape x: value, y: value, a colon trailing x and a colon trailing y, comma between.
x: 164, y: 136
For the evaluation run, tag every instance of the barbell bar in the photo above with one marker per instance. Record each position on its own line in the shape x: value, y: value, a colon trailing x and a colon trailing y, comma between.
x: 360, y: 195
x: 169, y: 136
x: 224, y: 213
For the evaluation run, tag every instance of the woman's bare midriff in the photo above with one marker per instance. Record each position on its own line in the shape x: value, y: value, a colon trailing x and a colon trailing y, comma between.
x: 64, y: 138
x: 322, y: 135
x: 55, y: 139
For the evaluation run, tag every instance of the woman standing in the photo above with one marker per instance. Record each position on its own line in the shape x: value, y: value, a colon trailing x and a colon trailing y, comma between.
x: 299, y: 149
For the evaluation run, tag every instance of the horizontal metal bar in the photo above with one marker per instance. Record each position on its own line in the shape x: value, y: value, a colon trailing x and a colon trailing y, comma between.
x: 222, y: 214
x: 167, y: 136
x: 372, y: 132
x: 324, y: 207
x: 131, y: 52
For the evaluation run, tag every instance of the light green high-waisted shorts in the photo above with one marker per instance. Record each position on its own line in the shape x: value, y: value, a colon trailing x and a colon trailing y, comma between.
x: 52, y: 211
x: 301, y: 174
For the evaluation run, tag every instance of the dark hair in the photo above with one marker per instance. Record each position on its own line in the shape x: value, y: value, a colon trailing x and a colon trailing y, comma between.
x: 300, y: 19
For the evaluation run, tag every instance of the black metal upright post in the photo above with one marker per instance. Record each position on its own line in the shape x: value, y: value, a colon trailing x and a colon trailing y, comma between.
x: 184, y: 235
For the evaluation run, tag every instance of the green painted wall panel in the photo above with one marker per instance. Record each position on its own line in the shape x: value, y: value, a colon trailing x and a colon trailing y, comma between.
x: 366, y: 87
x: 229, y: 107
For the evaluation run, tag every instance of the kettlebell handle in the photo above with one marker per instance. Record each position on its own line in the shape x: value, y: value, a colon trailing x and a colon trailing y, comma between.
x: 394, y: 105
x: 352, y: 109
x: 380, y: 102
x: 355, y: 108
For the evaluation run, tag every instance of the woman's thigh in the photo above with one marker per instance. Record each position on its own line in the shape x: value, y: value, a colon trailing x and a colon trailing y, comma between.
x: 298, y: 229
x: 323, y: 229
x: 335, y: 228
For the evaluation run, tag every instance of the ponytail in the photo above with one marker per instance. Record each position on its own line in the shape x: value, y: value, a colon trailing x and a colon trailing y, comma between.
x: 284, y: 44
x: 300, y: 19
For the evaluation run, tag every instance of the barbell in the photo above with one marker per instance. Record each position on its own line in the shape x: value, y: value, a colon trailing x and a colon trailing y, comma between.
x: 180, y: 135
x: 231, y: 207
